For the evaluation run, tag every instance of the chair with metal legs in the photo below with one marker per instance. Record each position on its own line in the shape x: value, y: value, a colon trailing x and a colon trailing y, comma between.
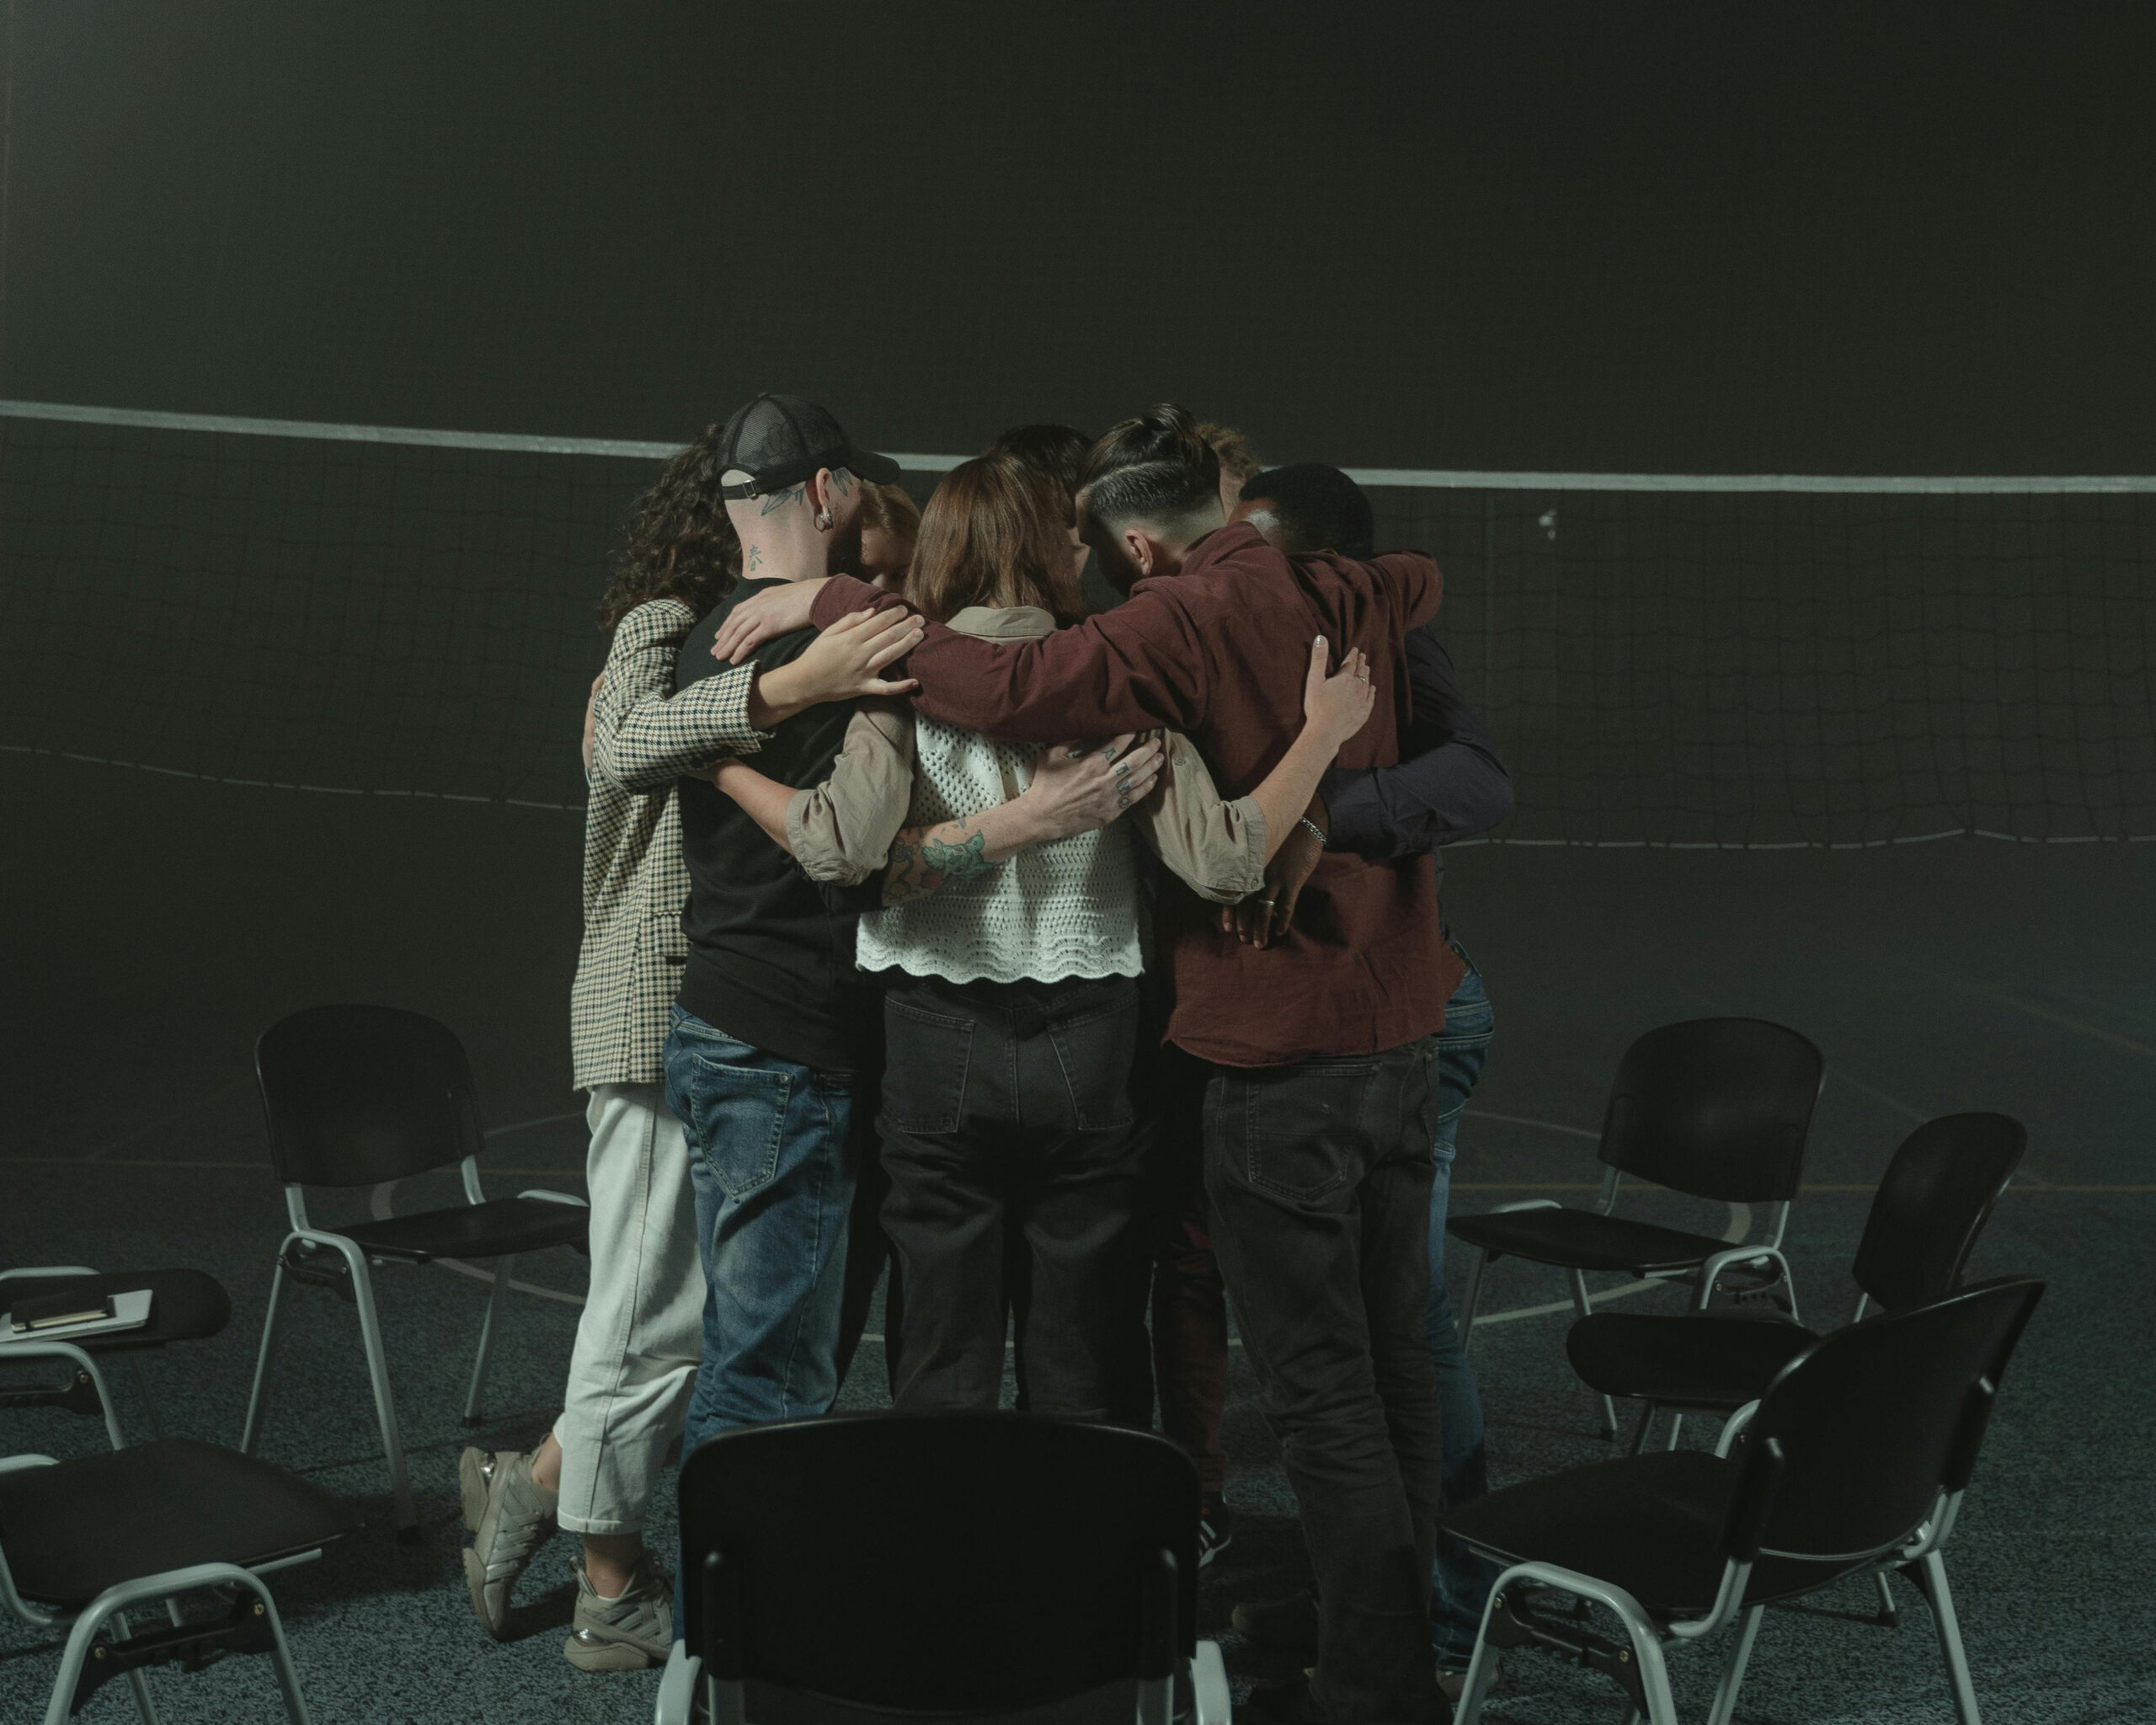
x: 361, y: 1096
x: 185, y: 1306
x: 1713, y: 1108
x: 82, y: 1543
x: 1932, y: 1203
x: 1854, y: 1462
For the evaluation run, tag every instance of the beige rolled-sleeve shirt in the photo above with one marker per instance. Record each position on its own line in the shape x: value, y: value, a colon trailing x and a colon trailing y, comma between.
x: 841, y: 830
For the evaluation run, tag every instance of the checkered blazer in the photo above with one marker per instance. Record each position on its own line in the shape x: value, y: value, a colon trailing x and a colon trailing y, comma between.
x: 635, y: 882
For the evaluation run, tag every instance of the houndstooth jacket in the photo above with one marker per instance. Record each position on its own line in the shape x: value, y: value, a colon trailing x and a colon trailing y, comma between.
x: 635, y: 882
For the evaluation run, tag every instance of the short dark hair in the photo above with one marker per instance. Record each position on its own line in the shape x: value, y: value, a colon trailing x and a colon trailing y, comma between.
x: 1154, y: 468
x: 1319, y: 509
x: 1056, y: 452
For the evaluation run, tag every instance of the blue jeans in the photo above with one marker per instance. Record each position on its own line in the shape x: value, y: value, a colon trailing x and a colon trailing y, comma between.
x: 1459, y: 1581
x: 775, y: 1149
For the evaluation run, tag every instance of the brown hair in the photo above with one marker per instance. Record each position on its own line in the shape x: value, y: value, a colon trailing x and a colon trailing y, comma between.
x: 1238, y: 459
x: 892, y: 509
x: 994, y: 534
x: 680, y: 544
x: 1056, y: 452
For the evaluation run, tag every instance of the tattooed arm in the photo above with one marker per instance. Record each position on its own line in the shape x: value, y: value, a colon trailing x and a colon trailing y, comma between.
x: 1076, y: 788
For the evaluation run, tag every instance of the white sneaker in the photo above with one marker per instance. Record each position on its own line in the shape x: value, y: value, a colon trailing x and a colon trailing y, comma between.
x: 625, y: 1634
x: 516, y: 1516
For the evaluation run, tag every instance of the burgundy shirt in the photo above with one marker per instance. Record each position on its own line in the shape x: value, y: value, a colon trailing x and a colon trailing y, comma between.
x: 1219, y: 652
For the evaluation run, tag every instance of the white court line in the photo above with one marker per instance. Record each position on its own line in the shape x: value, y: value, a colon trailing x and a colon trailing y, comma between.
x: 1415, y: 479
x: 1524, y: 1120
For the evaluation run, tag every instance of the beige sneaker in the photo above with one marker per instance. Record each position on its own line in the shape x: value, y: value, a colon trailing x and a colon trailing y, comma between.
x: 516, y: 1516
x: 625, y: 1634
x: 474, y: 1469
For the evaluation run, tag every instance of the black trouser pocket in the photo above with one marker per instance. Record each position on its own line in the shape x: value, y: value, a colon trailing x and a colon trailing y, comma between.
x: 926, y: 1055
x: 1306, y: 1128
x: 1095, y: 1038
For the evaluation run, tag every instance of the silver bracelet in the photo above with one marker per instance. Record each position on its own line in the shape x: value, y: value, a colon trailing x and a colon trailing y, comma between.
x: 1314, y: 830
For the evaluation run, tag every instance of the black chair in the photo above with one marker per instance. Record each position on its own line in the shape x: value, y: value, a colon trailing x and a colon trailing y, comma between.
x: 941, y: 1565
x: 1933, y: 1202
x: 361, y: 1096
x: 1854, y: 1461
x: 185, y: 1306
x: 83, y: 1542
x: 1713, y: 1108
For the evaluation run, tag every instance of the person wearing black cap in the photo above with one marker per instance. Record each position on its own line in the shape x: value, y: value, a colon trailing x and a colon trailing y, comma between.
x: 772, y: 1058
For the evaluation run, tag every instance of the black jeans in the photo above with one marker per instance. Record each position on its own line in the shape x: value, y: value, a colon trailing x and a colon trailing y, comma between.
x: 1319, y: 1178
x: 1007, y: 1124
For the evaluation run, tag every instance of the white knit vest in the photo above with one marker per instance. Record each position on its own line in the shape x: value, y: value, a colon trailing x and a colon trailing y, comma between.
x: 1065, y: 909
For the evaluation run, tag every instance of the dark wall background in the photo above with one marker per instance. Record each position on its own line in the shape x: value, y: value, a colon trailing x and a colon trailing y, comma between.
x: 1865, y: 239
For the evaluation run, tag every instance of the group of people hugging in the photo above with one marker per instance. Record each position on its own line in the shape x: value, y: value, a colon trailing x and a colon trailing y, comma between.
x: 1061, y: 961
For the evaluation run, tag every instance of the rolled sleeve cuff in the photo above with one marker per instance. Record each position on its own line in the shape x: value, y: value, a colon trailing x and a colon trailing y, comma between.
x: 812, y: 834
x: 730, y: 712
x: 1248, y: 874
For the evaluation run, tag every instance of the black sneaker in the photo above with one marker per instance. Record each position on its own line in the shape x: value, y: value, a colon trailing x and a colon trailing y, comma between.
x: 1214, y: 1535
x: 1289, y: 1624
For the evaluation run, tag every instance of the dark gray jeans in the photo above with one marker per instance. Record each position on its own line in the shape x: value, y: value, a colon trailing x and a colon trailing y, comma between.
x: 1319, y: 1178
x: 1007, y: 1126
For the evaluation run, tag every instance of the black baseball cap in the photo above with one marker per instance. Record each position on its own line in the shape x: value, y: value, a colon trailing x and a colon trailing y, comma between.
x: 783, y: 440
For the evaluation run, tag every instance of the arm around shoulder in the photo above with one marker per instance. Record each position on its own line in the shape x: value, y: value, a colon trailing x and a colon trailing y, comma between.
x: 645, y: 735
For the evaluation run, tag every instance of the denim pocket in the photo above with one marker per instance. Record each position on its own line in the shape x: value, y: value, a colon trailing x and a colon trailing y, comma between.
x: 1306, y: 1126
x: 926, y: 1055
x: 737, y: 1119
x: 1096, y: 1049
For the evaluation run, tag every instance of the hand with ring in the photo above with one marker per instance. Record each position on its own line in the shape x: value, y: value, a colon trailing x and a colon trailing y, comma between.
x: 1081, y: 787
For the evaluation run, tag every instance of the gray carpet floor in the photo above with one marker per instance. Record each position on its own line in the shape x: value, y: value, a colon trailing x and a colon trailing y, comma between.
x: 1963, y: 976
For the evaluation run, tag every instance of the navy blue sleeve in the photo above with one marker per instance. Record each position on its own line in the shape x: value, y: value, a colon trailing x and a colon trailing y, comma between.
x: 1450, y: 783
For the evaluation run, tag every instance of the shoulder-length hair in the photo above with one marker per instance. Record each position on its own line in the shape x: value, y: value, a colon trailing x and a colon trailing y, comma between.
x: 994, y: 533
x: 680, y: 544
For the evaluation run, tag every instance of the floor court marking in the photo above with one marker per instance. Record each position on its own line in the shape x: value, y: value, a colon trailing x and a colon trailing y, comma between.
x: 158, y: 1125
x: 1474, y: 1114
x: 2051, y: 1015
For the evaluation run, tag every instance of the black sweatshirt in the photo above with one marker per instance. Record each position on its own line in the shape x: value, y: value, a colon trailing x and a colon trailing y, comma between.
x: 770, y: 953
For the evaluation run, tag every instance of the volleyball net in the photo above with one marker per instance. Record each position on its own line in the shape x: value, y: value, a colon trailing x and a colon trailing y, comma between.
x: 1665, y: 660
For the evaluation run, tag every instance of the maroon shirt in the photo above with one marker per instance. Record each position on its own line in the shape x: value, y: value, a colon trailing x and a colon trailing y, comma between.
x: 1219, y: 652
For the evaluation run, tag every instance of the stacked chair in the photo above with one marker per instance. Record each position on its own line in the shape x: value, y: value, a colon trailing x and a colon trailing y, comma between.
x: 1932, y: 1203
x: 1715, y: 1109
x: 1844, y: 1454
x: 1853, y: 1461
x: 82, y: 1543
x: 362, y: 1095
x: 965, y: 1591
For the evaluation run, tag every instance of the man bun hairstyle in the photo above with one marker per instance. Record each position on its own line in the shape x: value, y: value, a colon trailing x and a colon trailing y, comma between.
x: 1155, y: 469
